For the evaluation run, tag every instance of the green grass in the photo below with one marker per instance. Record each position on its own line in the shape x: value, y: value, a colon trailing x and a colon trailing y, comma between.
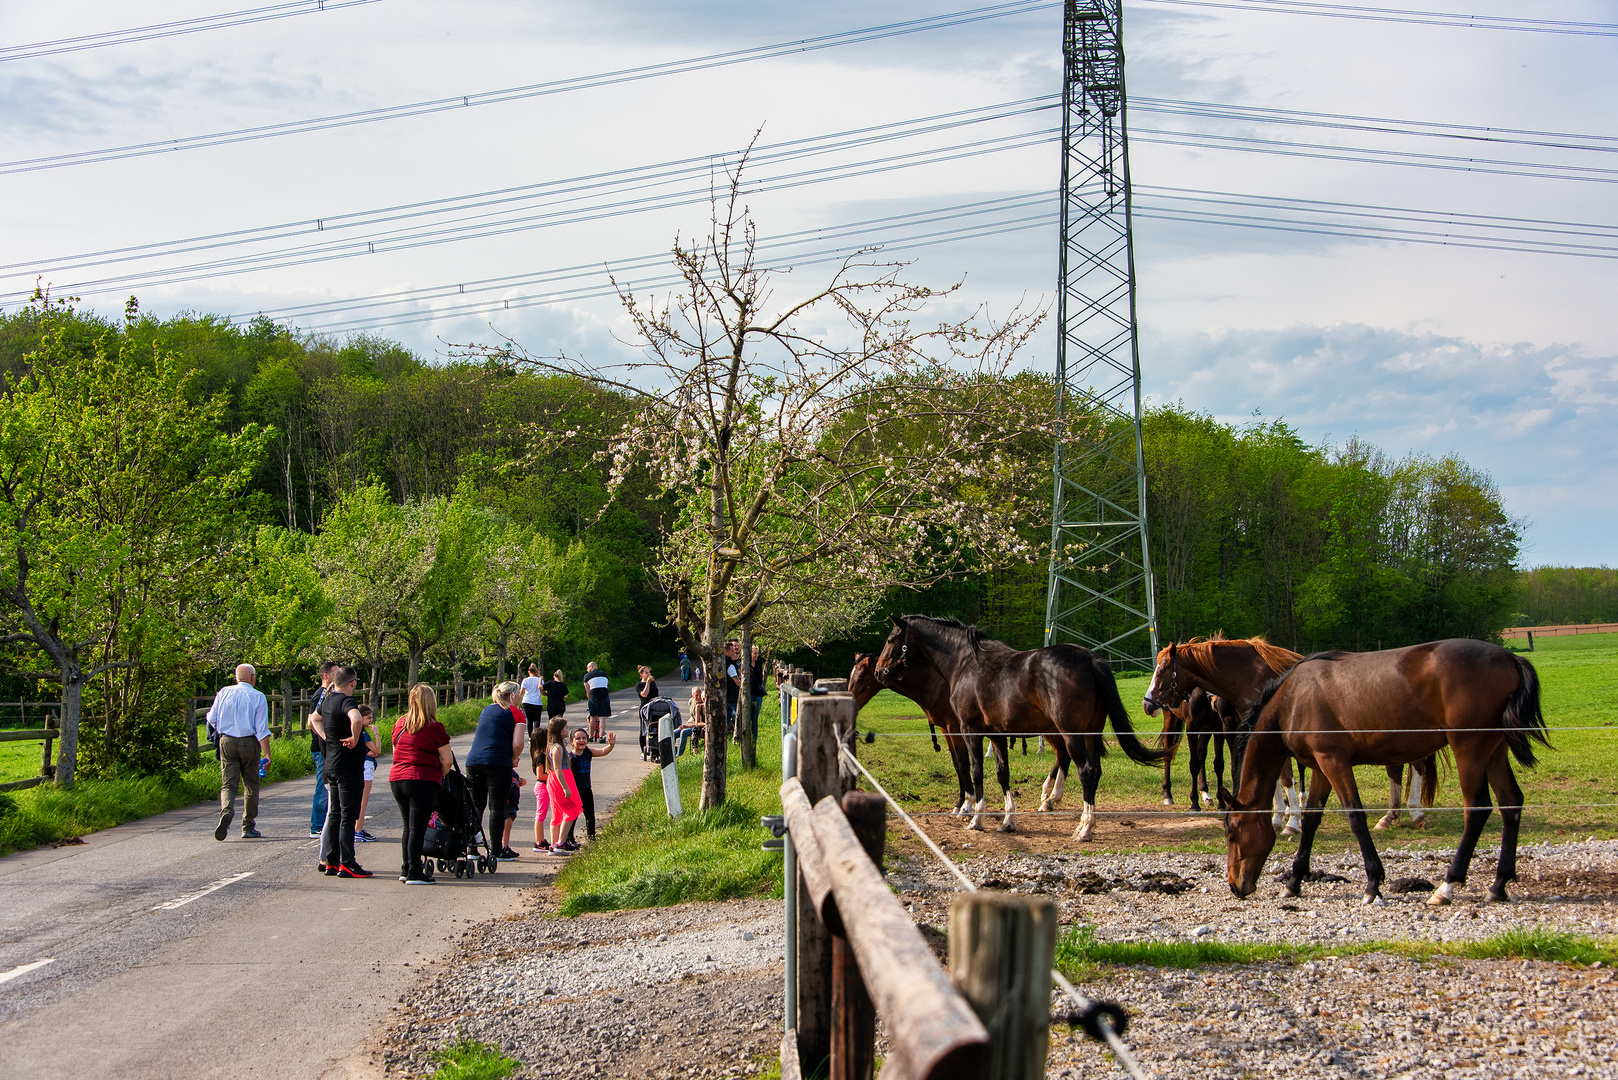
x: 45, y: 814
x: 645, y: 859
x: 1079, y: 954
x: 467, y: 1059
x: 1579, y: 687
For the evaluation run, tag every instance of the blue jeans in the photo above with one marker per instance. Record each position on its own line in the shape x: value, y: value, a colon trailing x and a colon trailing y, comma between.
x: 317, y: 815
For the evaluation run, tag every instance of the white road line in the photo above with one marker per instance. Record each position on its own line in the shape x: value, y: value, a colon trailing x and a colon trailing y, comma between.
x: 200, y: 893
x: 7, y: 976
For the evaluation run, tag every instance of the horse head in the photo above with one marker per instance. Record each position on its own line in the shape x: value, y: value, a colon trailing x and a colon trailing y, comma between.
x: 894, y: 653
x: 862, y: 680
x: 1167, y: 690
x: 1249, y: 839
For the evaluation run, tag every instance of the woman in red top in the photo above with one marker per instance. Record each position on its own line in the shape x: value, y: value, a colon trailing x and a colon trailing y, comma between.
x: 421, y: 757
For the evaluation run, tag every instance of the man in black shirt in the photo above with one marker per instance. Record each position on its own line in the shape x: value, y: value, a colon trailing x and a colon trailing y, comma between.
x: 733, y: 685
x: 339, y: 723
x: 317, y: 750
x: 756, y: 688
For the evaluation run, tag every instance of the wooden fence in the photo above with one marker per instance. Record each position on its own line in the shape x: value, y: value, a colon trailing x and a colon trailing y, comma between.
x: 1528, y: 633
x: 284, y: 720
x: 855, y: 954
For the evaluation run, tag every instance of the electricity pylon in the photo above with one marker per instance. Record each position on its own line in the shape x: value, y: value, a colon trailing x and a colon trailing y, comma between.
x: 1101, y: 591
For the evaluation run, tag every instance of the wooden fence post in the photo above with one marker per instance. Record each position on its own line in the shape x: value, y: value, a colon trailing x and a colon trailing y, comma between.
x: 1001, y: 946
x: 818, y: 717
x: 192, y: 754
x: 853, y: 1032
x: 46, y: 769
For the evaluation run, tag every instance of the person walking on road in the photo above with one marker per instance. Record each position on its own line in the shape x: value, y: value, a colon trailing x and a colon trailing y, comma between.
x: 241, y: 715
x: 421, y: 757
x: 685, y: 665
x: 533, y: 702
x: 647, y: 689
x: 317, y: 750
x: 555, y: 702
x: 340, y: 724
x: 599, y: 701
x: 496, y: 749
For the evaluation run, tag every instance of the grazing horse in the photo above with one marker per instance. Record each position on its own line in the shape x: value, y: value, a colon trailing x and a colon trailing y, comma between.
x: 1062, y: 692
x: 1337, y: 710
x: 1199, y: 719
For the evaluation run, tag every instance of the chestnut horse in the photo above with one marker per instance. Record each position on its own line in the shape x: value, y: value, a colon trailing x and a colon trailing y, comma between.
x: 1064, y: 693
x: 1336, y: 710
x: 1199, y: 720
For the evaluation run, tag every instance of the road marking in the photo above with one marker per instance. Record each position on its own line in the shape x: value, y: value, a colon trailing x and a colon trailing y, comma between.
x: 7, y: 976
x: 200, y: 893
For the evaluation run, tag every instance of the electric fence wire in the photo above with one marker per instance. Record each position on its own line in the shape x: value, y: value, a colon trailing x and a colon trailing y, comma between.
x: 175, y: 28
x: 1099, y: 1021
x: 534, y: 90
x: 1363, y: 13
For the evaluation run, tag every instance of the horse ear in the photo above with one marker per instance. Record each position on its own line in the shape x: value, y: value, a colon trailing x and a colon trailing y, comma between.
x: 894, y: 619
x: 1227, y: 801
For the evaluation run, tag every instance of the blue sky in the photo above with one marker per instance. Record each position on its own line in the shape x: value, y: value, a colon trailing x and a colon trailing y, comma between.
x: 1507, y: 358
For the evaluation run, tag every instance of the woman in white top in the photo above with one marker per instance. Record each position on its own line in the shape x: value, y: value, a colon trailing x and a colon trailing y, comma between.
x: 533, y: 708
x: 600, y: 705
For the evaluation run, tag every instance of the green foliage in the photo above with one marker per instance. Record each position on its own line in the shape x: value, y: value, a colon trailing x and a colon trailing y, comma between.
x: 467, y: 1059
x: 1559, y: 595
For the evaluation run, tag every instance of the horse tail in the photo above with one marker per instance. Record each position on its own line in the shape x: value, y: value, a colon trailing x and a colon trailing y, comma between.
x: 1121, y: 726
x: 1522, y: 718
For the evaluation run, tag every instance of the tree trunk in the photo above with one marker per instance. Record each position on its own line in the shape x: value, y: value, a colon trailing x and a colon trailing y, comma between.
x: 415, y: 666
x: 286, y: 702
x: 67, y: 752
x: 718, y: 736
x: 744, y: 699
x: 373, y: 695
x: 500, y: 660
x: 455, y: 676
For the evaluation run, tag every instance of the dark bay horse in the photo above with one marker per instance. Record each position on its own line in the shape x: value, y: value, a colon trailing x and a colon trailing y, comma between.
x: 863, y: 685
x: 1334, y: 711
x: 1197, y: 719
x: 1064, y: 693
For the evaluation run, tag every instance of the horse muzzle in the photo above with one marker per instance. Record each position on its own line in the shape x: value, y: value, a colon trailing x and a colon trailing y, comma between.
x: 1149, y: 705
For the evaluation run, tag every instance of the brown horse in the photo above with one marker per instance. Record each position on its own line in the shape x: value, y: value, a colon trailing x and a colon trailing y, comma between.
x: 1198, y: 719
x: 1334, y: 711
x: 863, y: 685
x: 1063, y: 692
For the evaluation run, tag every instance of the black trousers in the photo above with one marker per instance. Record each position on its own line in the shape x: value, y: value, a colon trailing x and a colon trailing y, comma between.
x: 337, y: 839
x: 417, y: 800
x: 588, y: 798
x: 491, y: 786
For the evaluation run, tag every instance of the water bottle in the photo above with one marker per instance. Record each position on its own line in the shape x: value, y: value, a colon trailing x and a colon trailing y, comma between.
x: 263, y: 767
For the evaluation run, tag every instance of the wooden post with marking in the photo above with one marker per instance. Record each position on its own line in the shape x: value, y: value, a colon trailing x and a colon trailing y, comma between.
x: 1001, y: 946
x: 853, y: 1033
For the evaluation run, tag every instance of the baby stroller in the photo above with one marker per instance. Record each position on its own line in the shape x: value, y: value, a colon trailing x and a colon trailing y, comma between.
x: 454, y: 836
x: 650, y: 713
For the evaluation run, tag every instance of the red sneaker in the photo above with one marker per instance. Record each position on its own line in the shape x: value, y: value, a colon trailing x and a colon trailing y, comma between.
x: 355, y: 871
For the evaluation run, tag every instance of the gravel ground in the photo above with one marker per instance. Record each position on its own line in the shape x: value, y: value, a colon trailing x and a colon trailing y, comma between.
x: 639, y: 993
x: 687, y: 991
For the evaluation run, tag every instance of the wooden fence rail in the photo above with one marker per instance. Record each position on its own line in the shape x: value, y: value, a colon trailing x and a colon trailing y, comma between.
x: 858, y: 953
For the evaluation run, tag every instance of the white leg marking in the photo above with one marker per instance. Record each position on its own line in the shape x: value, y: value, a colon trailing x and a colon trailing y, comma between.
x: 1279, y: 805
x: 1087, y: 824
x: 1008, y: 823
x: 1418, y: 814
x: 1294, y: 812
x: 1442, y: 894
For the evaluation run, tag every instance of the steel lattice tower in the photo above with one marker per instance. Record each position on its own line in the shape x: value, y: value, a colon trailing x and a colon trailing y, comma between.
x: 1101, y: 590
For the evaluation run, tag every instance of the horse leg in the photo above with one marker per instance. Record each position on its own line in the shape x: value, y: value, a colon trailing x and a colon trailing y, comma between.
x: 975, y: 821
x: 1051, y: 790
x: 1509, y: 795
x: 1423, y: 782
x: 959, y: 757
x: 1314, y: 813
x: 1199, y: 769
x: 1292, y: 802
x: 1391, y: 818
x: 1090, y: 779
x: 1475, y: 797
x: 1341, y: 774
x: 1002, y: 773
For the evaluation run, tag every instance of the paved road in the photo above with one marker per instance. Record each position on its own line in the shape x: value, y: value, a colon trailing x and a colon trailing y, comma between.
x: 161, y: 952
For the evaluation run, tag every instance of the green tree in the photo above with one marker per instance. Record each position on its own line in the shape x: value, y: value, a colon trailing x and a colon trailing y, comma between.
x: 281, y: 608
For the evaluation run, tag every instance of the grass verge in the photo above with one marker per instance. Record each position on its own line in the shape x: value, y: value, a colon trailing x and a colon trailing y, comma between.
x: 644, y: 858
x: 46, y: 814
x: 467, y: 1059
x: 1080, y: 954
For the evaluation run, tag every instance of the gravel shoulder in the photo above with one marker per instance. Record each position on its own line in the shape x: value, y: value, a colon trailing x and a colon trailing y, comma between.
x: 695, y: 990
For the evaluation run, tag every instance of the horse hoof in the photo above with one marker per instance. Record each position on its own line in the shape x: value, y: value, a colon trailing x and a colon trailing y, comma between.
x: 1417, y: 823
x: 1291, y: 830
x: 1380, y: 825
x: 1008, y: 826
x: 1167, y: 801
x: 1375, y: 898
x: 1196, y: 808
x: 1441, y: 895
x: 1497, y: 894
x: 1292, y: 889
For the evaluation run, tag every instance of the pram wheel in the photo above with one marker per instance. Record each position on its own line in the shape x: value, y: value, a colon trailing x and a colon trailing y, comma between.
x: 460, y: 868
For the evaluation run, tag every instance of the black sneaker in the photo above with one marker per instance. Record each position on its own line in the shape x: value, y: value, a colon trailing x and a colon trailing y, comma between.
x: 506, y: 855
x: 420, y: 881
x: 252, y: 834
x: 354, y: 871
x: 330, y: 870
x: 224, y: 827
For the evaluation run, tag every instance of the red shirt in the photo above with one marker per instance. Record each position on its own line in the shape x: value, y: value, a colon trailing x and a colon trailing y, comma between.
x: 415, y: 753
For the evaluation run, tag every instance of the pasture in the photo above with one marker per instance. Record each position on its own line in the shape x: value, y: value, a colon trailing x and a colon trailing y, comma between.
x: 1564, y: 794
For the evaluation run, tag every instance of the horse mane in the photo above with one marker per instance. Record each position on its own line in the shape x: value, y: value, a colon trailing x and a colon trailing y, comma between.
x: 1200, y: 650
x: 1249, y: 720
x: 962, y: 633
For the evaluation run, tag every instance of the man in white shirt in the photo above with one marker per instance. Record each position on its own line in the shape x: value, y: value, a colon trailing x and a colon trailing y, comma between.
x: 242, y: 717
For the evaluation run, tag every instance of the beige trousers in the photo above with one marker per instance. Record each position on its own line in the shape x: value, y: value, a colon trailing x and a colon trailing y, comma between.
x: 238, y: 764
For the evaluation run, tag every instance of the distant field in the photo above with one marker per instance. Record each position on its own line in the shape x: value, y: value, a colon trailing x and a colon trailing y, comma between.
x: 1579, y: 683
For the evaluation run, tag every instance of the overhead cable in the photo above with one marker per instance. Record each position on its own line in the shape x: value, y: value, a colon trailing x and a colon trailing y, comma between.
x: 533, y: 90
x: 1361, y: 13
x: 80, y: 42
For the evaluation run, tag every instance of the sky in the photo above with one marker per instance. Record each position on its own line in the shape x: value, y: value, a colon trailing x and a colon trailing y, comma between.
x: 495, y: 217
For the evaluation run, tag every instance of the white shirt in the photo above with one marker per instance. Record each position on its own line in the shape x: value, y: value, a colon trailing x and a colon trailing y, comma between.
x: 596, y: 681
x: 530, y: 691
x: 241, y: 711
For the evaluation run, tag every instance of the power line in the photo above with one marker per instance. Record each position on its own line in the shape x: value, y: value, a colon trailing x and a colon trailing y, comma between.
x: 81, y: 42
x: 519, y: 93
x: 1405, y: 16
